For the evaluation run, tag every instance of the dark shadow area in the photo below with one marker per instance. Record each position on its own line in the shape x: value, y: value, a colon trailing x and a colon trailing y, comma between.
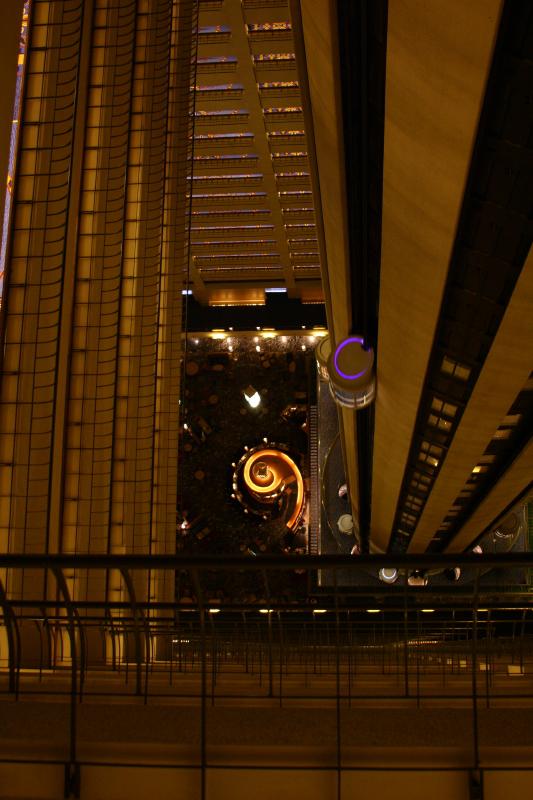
x: 279, y: 312
x: 218, y: 424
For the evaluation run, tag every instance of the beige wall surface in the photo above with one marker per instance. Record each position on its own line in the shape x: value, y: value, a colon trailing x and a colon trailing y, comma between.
x: 324, y: 89
x: 128, y: 783
x: 438, y: 57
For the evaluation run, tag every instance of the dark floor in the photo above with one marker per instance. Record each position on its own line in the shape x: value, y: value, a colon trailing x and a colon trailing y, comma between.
x: 279, y: 311
x: 221, y: 423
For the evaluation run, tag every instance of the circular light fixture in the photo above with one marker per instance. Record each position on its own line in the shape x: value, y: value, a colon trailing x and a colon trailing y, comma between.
x: 388, y: 574
x: 338, y: 351
x: 345, y: 524
x: 417, y: 578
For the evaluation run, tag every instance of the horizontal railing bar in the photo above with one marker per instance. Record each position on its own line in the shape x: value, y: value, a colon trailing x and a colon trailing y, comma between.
x: 266, y: 561
x: 282, y: 767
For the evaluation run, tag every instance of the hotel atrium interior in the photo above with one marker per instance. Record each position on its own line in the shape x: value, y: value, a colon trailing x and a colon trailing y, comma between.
x: 266, y: 323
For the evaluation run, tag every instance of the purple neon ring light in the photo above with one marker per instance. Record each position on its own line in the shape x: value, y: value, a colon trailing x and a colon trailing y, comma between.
x: 342, y: 345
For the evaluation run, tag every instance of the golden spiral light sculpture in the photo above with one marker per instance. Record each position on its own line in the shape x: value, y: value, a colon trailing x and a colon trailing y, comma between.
x: 265, y: 475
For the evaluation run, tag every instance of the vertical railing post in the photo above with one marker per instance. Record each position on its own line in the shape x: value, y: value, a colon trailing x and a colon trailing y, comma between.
x: 417, y: 651
x: 13, y: 641
x: 405, y: 640
x: 488, y: 661
x: 203, y: 689
x: 270, y: 643
x: 338, y: 689
x: 72, y: 768
x: 476, y: 776
x: 281, y: 655
x: 137, y: 618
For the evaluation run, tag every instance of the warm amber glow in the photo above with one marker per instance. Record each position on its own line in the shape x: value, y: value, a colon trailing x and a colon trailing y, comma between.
x: 236, y: 297
x: 267, y: 471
